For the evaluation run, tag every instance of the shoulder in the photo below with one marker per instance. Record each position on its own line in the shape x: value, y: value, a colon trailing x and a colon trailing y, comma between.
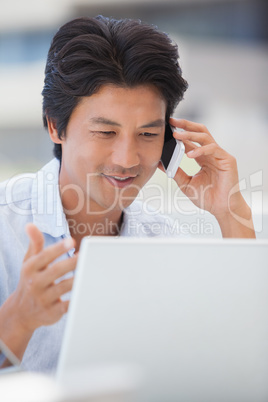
x: 16, y: 189
x: 20, y: 188
x: 18, y: 201
x: 15, y: 207
x: 15, y: 212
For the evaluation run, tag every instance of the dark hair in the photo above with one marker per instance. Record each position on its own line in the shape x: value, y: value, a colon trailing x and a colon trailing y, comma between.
x: 87, y: 53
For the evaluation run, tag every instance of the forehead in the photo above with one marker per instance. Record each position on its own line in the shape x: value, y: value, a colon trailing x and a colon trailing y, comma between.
x: 142, y: 98
x: 147, y: 89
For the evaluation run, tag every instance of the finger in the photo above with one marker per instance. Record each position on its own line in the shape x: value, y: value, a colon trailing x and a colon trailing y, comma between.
x: 189, y: 125
x: 54, y: 292
x: 51, y: 253
x: 58, y: 309
x: 189, y: 146
x: 36, y: 240
x: 56, y: 271
x: 200, y: 138
x: 206, y: 150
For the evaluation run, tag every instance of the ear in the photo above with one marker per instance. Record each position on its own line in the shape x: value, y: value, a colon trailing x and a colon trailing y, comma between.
x: 53, y: 132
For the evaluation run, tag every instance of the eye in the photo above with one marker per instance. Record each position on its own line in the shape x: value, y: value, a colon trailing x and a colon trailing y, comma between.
x: 106, y: 132
x: 103, y: 133
x: 146, y: 134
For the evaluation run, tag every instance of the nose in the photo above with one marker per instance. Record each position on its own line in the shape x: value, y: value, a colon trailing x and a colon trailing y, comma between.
x: 126, y: 153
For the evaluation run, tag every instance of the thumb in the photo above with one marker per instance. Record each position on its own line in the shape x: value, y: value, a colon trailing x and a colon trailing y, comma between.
x: 182, y: 179
x: 36, y: 240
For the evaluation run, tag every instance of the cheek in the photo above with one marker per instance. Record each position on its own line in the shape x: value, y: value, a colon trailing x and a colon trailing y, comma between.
x: 85, y: 154
x: 152, y: 155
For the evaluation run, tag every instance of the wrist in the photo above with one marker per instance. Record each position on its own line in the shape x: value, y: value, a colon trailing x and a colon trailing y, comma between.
x: 20, y: 319
x: 238, y: 212
x: 237, y: 222
x: 14, y: 332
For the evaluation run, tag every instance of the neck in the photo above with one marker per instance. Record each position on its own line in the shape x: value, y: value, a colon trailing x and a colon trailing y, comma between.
x: 82, y: 225
x: 97, y: 222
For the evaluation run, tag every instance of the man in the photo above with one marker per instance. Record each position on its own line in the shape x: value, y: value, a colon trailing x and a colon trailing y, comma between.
x: 110, y: 89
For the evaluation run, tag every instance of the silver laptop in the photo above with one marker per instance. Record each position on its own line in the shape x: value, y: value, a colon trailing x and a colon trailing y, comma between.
x: 190, y: 316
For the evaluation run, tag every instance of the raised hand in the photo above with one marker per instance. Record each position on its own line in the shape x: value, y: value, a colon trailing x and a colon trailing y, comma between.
x: 215, y: 187
x: 37, y: 299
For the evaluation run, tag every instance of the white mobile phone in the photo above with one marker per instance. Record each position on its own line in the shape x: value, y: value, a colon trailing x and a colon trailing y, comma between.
x: 172, y: 153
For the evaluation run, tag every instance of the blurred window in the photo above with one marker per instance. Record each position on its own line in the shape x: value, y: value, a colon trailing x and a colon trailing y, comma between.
x: 239, y: 20
x: 24, y: 47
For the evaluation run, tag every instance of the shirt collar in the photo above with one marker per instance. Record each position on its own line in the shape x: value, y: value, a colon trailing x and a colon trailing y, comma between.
x: 48, y: 214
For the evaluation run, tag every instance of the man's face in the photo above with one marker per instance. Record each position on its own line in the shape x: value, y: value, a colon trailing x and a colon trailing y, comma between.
x: 113, y: 144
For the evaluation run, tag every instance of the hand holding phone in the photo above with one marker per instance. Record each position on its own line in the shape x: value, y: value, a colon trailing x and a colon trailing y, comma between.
x: 173, y: 151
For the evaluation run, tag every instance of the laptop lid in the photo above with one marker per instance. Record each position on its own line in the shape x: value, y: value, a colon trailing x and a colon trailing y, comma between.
x: 191, y: 315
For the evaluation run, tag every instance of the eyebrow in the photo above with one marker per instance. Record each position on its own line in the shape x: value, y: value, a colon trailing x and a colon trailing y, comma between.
x: 103, y: 120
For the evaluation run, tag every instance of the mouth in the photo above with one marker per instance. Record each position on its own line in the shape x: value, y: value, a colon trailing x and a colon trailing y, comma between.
x: 119, y: 181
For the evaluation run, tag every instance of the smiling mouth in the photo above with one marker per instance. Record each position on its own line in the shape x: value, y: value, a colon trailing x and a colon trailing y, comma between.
x: 119, y: 181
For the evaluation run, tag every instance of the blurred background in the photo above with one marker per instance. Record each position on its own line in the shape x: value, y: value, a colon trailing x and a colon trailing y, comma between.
x: 223, y: 53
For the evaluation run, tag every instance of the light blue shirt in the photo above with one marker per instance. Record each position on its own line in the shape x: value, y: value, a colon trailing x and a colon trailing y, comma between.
x: 35, y: 198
